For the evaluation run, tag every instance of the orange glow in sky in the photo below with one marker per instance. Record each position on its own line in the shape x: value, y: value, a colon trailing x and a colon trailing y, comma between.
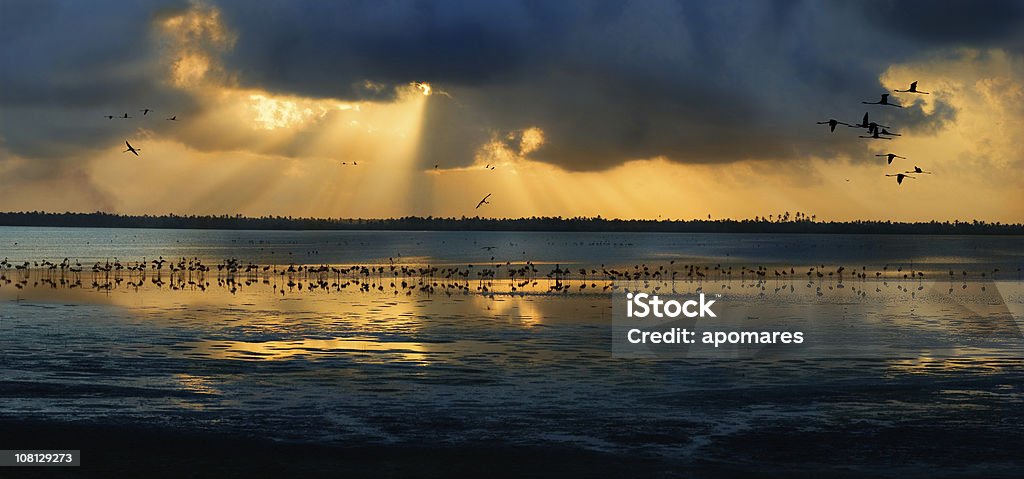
x: 259, y: 152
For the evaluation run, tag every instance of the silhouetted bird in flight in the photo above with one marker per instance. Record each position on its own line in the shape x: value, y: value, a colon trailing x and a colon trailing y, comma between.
x: 131, y: 149
x: 125, y: 116
x: 832, y: 124
x: 145, y: 111
x: 890, y: 156
x: 900, y: 176
x: 109, y: 117
x: 865, y: 124
x: 912, y: 89
x: 173, y: 118
x: 883, y: 101
x: 917, y: 169
x: 874, y: 135
x: 483, y: 201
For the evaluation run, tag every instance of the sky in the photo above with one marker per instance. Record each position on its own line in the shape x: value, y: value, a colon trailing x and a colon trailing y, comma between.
x: 645, y: 109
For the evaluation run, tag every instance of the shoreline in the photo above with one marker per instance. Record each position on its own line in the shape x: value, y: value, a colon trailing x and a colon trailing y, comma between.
x: 533, y: 224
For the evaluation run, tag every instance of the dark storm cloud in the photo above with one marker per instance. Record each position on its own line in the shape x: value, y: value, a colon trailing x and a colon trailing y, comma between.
x: 65, y: 64
x: 607, y: 81
x: 330, y: 49
x: 950, y: 21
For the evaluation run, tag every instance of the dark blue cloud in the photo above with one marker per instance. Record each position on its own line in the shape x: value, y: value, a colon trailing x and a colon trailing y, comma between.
x: 694, y: 81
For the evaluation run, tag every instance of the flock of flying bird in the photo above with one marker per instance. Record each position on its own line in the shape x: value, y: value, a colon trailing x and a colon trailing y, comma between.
x: 877, y: 131
x: 145, y: 111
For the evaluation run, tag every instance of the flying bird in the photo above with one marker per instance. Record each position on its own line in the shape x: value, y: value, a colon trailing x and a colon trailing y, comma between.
x: 890, y: 156
x: 483, y: 201
x: 832, y: 124
x: 145, y: 111
x: 883, y: 101
x: 109, y: 117
x: 173, y: 118
x: 865, y: 124
x: 132, y: 149
x: 874, y: 135
x: 125, y: 116
x: 900, y: 176
x: 912, y: 89
x: 917, y: 169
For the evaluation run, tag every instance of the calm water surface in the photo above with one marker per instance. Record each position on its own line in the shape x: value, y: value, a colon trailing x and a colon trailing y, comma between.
x: 473, y: 366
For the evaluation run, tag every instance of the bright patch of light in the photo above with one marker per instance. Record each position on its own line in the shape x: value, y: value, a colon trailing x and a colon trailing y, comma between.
x: 423, y: 87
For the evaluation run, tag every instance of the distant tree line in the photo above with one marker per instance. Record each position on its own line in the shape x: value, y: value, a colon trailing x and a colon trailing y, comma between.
x: 801, y: 223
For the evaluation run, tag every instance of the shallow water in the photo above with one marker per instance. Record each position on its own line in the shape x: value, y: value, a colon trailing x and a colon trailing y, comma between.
x: 921, y: 252
x: 481, y: 364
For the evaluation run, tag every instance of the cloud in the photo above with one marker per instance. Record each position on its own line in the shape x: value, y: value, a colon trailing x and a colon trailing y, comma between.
x: 993, y: 23
x: 694, y: 82
x: 580, y: 86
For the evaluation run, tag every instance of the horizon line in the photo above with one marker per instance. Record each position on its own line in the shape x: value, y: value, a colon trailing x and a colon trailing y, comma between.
x: 800, y: 223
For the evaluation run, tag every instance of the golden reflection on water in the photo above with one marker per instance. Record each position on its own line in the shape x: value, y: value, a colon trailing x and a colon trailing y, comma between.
x: 962, y: 361
x: 390, y: 323
x: 407, y: 351
x: 195, y: 384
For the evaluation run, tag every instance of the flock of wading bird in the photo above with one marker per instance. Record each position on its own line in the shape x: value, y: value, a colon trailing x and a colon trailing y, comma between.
x: 519, y: 278
x: 876, y: 131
